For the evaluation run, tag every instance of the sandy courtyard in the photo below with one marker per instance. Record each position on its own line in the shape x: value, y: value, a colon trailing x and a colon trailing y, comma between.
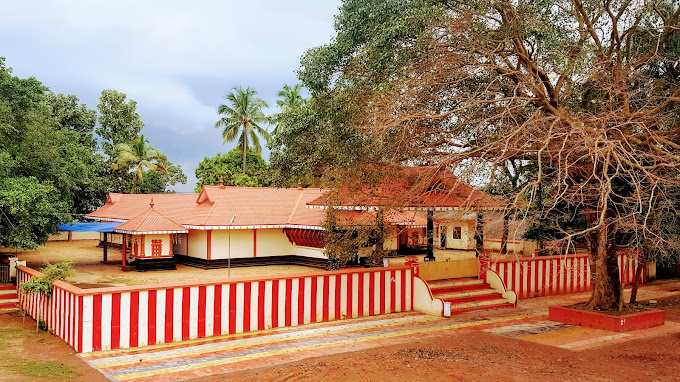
x: 92, y: 273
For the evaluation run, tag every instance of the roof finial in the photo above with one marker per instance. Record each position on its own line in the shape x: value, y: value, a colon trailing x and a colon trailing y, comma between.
x: 151, y: 204
x: 299, y: 184
x: 221, y: 181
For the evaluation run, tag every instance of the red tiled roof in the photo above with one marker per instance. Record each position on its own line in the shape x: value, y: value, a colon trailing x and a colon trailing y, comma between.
x: 390, y: 217
x: 216, y: 205
x: 414, y: 187
x: 151, y: 221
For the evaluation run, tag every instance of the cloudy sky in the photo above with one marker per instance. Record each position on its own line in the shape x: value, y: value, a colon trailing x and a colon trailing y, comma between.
x: 177, y: 59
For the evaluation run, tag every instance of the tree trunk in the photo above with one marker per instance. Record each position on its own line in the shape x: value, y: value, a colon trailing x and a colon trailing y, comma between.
x: 642, y: 260
x: 606, y: 288
x: 245, y: 150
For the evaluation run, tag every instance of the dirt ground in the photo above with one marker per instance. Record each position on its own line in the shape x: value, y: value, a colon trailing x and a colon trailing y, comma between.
x: 478, y: 355
x: 469, y: 356
x: 91, y: 272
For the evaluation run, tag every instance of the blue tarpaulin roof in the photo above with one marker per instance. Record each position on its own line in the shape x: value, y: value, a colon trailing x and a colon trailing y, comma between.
x: 90, y: 227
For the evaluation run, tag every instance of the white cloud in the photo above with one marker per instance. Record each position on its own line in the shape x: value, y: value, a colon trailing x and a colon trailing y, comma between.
x: 177, y: 59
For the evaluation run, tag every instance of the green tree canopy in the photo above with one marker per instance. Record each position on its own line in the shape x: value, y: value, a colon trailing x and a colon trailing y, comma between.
x: 137, y: 156
x: 241, y: 120
x: 118, y: 120
x: 48, y: 166
x: 228, y: 167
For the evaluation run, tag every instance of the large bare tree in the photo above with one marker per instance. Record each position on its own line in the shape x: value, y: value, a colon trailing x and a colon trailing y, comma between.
x: 588, y: 92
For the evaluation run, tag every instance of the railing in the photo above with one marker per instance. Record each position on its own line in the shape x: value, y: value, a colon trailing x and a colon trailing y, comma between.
x: 125, y: 317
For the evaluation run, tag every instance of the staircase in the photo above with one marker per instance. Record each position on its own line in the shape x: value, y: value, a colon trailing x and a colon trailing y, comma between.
x: 467, y: 294
x: 9, y: 298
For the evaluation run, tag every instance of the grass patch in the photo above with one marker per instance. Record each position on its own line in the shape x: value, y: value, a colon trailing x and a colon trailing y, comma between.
x: 53, y: 370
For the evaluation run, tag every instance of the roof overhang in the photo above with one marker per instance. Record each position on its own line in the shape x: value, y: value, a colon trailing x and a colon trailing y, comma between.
x: 149, y: 232
x: 408, y: 208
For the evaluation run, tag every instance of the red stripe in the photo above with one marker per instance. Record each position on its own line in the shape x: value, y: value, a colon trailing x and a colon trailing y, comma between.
x: 403, y: 290
x: 287, y: 307
x: 534, y: 268
x: 371, y: 294
x: 246, y: 306
x: 275, y: 303
x: 326, y: 298
x: 134, y: 319
x: 260, y: 305
x: 382, y: 292
x: 513, y: 276
x: 201, y: 311
x: 151, y: 335
x: 169, y: 300
x: 217, y: 324
x: 115, y: 321
x: 186, y: 309
x: 301, y: 301
x: 521, y: 279
x: 393, y: 291
x: 338, y: 297
x: 360, y: 290
x: 232, y: 308
x: 312, y: 307
x: 79, y: 349
x: 349, y: 295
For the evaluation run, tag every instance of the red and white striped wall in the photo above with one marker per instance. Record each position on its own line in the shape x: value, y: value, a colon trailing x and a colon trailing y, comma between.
x: 550, y: 275
x: 125, y: 317
x: 60, y: 312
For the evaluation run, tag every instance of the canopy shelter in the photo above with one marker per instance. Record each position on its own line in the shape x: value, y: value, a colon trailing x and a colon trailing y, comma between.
x: 105, y: 228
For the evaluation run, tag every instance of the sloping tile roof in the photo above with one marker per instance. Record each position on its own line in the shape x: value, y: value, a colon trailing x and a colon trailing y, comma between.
x: 414, y: 187
x: 391, y: 217
x: 218, y: 204
x: 151, y: 221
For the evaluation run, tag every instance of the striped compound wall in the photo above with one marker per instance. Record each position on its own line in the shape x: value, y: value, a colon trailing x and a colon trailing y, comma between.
x: 550, y: 275
x: 126, y: 317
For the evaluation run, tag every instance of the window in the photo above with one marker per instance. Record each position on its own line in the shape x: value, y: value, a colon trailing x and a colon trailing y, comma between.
x: 457, y: 233
x: 442, y: 236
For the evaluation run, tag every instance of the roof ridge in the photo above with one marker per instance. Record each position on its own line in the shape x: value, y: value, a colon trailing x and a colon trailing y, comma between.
x: 292, y: 212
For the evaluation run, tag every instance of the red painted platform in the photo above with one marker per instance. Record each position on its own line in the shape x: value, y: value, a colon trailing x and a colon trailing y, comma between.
x: 624, y: 323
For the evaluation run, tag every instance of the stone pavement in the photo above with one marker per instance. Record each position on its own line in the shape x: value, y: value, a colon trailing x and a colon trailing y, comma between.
x: 216, y: 355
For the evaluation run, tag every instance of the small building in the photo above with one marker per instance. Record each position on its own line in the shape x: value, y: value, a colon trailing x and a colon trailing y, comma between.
x: 241, y: 226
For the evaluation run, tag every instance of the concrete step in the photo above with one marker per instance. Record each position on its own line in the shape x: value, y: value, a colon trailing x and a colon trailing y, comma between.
x: 465, y: 293
x: 475, y: 304
x: 504, y: 305
x: 8, y: 310
x: 8, y: 296
x: 9, y: 303
x: 5, y: 286
x: 475, y: 298
x: 454, y: 282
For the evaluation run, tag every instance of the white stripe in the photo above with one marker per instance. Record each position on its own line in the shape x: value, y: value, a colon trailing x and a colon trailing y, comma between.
x: 125, y: 320
x: 209, y: 310
x: 295, y: 291
x: 177, y: 314
x: 143, y: 331
x: 106, y: 321
x: 239, y: 308
x: 160, y: 316
x: 193, y: 312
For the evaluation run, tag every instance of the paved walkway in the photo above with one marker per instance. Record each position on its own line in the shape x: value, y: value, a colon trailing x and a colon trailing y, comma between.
x: 215, y: 355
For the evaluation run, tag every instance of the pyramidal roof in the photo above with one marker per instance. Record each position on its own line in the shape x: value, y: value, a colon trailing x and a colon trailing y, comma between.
x: 150, y: 222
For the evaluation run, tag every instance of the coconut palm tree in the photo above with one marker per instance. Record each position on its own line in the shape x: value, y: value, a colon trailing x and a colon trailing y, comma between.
x: 242, y: 118
x: 289, y: 98
x: 137, y: 155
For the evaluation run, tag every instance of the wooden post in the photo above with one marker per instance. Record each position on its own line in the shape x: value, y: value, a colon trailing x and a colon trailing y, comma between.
x: 504, y: 235
x: 479, y: 235
x: 106, y: 246
x: 123, y: 246
x: 124, y: 262
x: 430, y: 236
x: 170, y: 235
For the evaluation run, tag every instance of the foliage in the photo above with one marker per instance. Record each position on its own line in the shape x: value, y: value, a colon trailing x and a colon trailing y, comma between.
x: 343, y: 242
x: 155, y: 182
x: 241, y: 120
x: 48, y: 166
x: 52, y: 272
x: 289, y: 98
x: 584, y: 93
x: 136, y: 156
x: 118, y: 120
x: 228, y: 167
